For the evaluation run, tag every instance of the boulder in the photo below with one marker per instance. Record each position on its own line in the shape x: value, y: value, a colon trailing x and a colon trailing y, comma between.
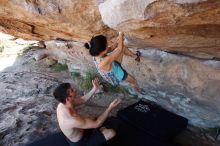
x: 189, y: 27
x: 183, y: 26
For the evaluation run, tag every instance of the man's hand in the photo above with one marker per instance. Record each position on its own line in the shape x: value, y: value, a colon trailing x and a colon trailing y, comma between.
x: 114, y: 103
x: 95, y: 89
x: 96, y: 84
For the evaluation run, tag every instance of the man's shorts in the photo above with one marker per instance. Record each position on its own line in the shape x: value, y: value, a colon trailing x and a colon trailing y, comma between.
x: 91, y: 137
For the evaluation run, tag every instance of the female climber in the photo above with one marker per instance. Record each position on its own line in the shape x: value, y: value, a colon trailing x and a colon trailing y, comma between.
x: 108, y: 60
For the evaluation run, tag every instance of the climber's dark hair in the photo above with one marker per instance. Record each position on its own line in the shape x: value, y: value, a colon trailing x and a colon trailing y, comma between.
x: 96, y: 45
x: 61, y: 92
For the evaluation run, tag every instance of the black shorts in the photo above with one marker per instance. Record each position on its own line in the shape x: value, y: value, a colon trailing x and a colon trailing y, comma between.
x: 125, y: 72
x: 91, y: 137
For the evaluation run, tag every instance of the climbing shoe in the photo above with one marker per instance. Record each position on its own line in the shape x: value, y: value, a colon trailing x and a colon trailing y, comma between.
x: 138, y: 53
x: 142, y: 91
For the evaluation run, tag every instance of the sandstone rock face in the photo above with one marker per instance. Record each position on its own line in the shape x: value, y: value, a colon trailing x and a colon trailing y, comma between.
x: 186, y: 26
x: 53, y: 19
x: 190, y: 27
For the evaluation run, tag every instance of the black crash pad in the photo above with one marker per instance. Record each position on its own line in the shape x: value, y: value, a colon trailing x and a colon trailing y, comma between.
x: 56, y: 139
x: 128, y: 135
x: 145, y: 123
x: 140, y: 124
x: 151, y: 119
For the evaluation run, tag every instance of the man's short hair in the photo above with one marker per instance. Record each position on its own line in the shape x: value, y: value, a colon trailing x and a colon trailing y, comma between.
x: 61, y: 92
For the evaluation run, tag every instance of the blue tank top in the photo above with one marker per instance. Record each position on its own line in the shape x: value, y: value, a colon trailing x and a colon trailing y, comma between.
x: 114, y: 76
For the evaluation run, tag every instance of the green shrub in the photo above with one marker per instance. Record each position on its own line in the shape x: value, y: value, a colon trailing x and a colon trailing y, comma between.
x: 114, y: 89
x: 24, y: 50
x: 86, y: 82
x: 75, y: 75
x: 59, y: 67
x: 1, y: 48
x: 215, y: 131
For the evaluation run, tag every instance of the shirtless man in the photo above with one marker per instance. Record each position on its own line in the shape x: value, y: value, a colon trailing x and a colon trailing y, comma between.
x: 79, y: 130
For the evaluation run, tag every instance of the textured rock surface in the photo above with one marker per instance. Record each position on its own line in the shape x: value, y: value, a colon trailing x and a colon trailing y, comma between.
x: 52, y: 19
x: 191, y: 27
x: 189, y: 87
x: 28, y: 109
x: 187, y: 26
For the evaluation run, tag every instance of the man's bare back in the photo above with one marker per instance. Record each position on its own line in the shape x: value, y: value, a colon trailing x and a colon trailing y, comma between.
x: 64, y: 117
x: 73, y: 125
